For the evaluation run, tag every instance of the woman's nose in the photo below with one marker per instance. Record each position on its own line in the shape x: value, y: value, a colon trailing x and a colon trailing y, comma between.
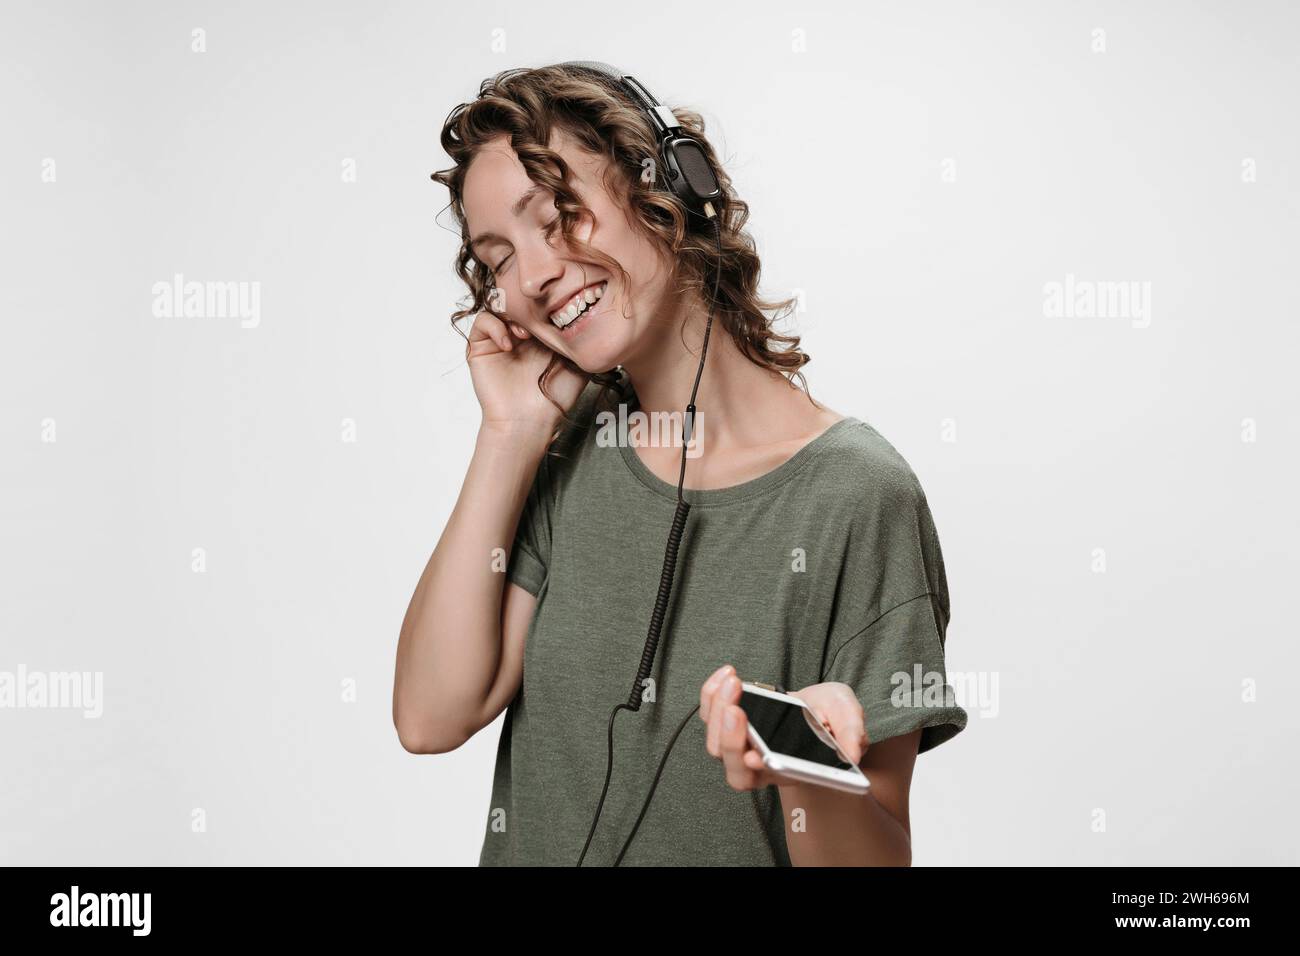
x: 538, y: 270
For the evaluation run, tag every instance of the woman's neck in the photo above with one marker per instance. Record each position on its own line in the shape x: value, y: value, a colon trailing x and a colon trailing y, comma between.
x: 739, y: 403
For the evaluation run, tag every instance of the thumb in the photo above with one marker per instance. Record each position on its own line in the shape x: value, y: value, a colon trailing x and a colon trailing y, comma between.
x: 850, y: 732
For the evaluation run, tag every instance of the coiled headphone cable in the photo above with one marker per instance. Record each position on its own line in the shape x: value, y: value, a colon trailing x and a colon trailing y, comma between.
x: 633, y: 702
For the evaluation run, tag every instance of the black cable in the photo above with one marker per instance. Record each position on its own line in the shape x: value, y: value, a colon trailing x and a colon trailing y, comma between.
x: 665, y: 576
x: 661, y: 602
x: 655, y: 783
x: 609, y: 769
x: 683, y: 506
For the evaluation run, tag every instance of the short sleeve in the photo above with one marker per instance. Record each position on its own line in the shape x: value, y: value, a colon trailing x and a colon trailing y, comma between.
x: 895, y: 666
x: 530, y: 554
x: 531, y: 551
x: 887, y: 640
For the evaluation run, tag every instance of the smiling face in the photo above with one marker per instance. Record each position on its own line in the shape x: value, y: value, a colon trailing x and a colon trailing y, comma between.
x: 545, y: 287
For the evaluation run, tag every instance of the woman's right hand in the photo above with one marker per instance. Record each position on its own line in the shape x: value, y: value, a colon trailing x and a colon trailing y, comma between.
x: 505, y: 361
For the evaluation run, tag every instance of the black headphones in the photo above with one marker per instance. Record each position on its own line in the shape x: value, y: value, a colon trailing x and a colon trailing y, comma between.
x: 687, y: 171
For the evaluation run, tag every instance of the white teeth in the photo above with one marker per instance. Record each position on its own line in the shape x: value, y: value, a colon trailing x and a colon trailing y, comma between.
x: 579, y: 304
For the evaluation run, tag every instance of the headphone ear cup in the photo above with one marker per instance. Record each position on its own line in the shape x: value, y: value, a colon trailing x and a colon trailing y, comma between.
x: 690, y: 174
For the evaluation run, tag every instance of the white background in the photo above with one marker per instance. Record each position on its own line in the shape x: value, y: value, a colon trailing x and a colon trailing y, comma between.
x: 1119, y: 691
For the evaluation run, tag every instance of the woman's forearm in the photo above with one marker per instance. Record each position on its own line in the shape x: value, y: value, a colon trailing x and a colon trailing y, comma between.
x: 841, y: 829
x: 450, y: 646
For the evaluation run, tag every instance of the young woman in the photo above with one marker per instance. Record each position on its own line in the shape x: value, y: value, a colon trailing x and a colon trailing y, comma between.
x: 809, y: 558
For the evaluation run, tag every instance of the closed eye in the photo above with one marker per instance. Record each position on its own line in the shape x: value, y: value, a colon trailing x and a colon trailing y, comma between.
x: 547, y: 228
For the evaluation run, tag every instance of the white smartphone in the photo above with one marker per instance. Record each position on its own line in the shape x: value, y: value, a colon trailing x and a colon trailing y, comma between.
x: 793, y: 741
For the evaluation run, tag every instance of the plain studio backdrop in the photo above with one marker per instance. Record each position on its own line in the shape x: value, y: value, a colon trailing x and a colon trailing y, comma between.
x: 224, y: 515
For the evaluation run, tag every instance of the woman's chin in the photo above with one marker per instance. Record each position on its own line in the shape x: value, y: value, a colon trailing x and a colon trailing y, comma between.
x: 596, y: 357
x: 596, y: 367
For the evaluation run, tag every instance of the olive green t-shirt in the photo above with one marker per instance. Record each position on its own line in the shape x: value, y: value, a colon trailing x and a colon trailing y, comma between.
x: 827, y: 568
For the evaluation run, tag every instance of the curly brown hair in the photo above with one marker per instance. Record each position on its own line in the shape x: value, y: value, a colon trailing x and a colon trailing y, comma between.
x: 528, y: 105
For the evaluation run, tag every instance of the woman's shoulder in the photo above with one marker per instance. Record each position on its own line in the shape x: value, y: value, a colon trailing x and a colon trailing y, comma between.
x: 869, y: 468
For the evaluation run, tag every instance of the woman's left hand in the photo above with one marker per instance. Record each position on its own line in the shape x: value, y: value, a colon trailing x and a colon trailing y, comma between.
x: 728, y: 734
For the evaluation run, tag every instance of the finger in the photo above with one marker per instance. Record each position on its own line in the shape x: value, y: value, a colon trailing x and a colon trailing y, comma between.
x: 763, y: 777
x: 488, y: 327
x: 712, y: 725
x: 715, y: 705
x: 726, y: 693
x: 519, y: 330
x: 710, y: 688
x: 711, y: 685
x: 735, y: 741
x: 846, y: 721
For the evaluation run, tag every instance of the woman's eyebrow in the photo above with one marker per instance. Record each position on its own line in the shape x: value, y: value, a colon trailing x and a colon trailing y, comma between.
x: 516, y: 210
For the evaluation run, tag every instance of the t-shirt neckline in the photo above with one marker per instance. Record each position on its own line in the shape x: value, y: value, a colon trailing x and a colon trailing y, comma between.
x: 732, y: 493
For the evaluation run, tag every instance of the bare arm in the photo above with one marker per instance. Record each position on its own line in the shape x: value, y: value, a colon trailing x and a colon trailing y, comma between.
x: 847, y: 830
x: 461, y: 647
x: 460, y: 652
